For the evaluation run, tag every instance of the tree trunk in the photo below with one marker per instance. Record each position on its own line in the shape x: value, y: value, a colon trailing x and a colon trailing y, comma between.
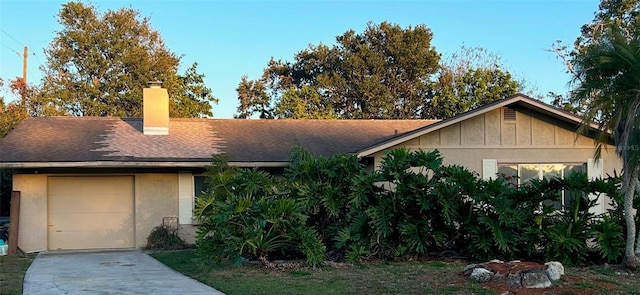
x: 631, y: 260
x: 638, y: 233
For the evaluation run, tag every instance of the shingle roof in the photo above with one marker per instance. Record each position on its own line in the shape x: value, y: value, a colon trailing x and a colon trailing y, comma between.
x: 104, y: 139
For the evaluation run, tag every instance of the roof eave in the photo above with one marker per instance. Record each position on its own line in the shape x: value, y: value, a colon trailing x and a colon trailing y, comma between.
x: 132, y: 164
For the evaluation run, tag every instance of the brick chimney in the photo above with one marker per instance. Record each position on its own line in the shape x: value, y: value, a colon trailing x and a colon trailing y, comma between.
x: 155, y: 109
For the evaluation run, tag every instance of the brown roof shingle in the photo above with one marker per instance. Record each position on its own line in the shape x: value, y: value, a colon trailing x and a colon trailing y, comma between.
x: 92, y: 139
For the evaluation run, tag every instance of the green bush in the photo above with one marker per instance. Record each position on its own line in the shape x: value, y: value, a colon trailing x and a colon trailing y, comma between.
x: 413, y: 205
x: 246, y: 214
x: 410, y: 206
x: 165, y: 238
x: 321, y: 186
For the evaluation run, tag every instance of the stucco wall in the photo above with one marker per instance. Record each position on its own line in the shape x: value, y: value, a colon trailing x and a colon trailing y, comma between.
x: 188, y: 232
x: 32, y: 235
x: 156, y: 198
x: 528, y: 139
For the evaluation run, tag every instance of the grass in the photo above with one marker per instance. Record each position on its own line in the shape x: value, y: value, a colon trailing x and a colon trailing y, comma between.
x: 426, y: 277
x: 371, y: 278
x: 12, y: 271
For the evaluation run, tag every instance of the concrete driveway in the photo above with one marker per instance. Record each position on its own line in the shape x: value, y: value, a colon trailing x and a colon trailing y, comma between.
x: 113, y: 272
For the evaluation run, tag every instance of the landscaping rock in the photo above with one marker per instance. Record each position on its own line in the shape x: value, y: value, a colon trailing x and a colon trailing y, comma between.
x: 470, y: 266
x: 554, y: 270
x: 516, y: 274
x: 481, y: 275
x: 536, y: 279
x: 514, y: 280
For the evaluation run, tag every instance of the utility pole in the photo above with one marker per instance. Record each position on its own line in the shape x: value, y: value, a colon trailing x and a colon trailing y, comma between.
x: 24, y: 65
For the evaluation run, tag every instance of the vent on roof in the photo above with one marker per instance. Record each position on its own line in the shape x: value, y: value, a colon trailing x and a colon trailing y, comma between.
x: 509, y: 114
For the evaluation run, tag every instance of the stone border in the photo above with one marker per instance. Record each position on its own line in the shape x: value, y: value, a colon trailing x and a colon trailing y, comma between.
x: 516, y: 274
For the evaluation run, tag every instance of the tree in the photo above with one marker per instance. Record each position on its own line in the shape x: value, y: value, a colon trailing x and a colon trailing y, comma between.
x: 98, y: 64
x: 468, y: 79
x: 381, y: 73
x: 386, y: 72
x: 12, y: 113
x: 605, y: 64
x: 623, y: 14
x: 304, y: 103
x: 608, y: 77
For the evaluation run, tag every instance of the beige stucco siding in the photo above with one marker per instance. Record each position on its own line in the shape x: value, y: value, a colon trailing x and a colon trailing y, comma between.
x: 156, y: 198
x: 472, y: 131
x: 32, y: 234
x: 528, y: 139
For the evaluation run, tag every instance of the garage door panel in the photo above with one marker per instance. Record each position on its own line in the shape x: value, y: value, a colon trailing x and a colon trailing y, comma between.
x: 106, y: 205
x: 90, y: 221
x: 90, y: 212
x: 75, y: 240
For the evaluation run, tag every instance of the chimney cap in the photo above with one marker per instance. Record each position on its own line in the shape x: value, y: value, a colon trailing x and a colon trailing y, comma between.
x: 155, y: 84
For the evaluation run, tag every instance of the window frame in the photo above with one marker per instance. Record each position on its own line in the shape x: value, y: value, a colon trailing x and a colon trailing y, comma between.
x: 541, y: 174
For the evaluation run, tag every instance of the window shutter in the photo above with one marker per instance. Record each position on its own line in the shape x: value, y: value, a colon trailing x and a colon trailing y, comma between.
x: 594, y: 171
x: 185, y: 197
x: 489, y: 168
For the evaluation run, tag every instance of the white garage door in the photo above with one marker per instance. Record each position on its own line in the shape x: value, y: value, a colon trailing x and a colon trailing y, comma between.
x: 90, y: 212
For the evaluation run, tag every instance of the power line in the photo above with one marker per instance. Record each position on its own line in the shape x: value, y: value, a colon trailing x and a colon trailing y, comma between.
x: 13, y: 50
x: 14, y: 39
x: 37, y: 58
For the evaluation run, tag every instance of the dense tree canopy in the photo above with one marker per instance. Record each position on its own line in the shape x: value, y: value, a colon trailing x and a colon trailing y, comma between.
x: 386, y: 72
x: 11, y: 113
x: 605, y: 62
x: 98, y: 64
x: 468, y: 79
x: 621, y: 14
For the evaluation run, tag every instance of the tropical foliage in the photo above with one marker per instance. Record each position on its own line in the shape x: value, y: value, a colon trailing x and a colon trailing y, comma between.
x: 413, y: 205
x: 605, y: 63
x: 246, y: 214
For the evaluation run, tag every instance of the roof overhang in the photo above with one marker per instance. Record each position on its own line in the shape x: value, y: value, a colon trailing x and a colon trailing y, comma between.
x: 517, y: 100
x: 131, y: 164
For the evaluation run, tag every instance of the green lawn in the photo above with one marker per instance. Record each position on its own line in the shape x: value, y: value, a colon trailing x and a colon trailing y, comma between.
x: 426, y: 277
x: 12, y: 270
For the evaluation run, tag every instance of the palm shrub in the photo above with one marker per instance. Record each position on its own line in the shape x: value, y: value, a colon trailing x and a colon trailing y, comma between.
x: 449, y: 205
x: 321, y: 186
x: 521, y: 222
x: 608, y: 230
x: 410, y: 206
x: 567, y: 231
x: 505, y: 220
x: 247, y: 214
x: 575, y: 235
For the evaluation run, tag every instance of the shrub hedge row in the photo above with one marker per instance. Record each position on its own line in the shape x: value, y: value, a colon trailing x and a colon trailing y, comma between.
x: 333, y: 208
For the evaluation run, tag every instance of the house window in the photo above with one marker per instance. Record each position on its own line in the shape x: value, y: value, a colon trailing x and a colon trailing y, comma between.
x: 199, y: 185
x: 518, y: 174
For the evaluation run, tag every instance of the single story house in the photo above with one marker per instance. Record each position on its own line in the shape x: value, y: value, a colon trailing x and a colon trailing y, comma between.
x: 104, y: 182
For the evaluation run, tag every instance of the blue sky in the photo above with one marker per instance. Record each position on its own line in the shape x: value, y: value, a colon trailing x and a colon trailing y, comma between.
x: 230, y: 39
